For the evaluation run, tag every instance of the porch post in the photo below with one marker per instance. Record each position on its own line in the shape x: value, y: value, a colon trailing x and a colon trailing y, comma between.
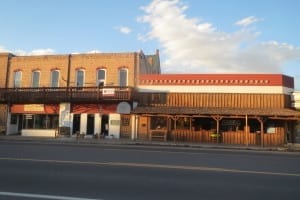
x: 175, y: 119
x: 246, y: 130
x: 217, y: 119
x: 261, y: 121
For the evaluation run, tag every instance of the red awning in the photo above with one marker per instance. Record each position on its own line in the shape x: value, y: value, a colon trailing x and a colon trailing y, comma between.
x: 93, y: 108
x: 35, y: 108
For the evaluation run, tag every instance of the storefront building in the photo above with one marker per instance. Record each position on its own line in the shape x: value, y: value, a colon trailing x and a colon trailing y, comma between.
x: 247, y: 109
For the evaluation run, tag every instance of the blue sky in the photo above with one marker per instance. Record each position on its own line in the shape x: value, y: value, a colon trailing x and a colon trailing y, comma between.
x: 193, y: 36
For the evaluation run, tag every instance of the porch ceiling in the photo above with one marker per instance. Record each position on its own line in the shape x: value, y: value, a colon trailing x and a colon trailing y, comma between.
x: 271, y: 112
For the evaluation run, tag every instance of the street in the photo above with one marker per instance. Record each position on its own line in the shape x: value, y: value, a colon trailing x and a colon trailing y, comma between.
x: 75, y: 171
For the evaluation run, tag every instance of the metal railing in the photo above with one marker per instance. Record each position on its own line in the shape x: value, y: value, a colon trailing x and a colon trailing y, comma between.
x: 65, y: 94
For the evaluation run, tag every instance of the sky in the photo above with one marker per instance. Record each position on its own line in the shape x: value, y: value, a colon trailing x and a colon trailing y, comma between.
x: 192, y: 36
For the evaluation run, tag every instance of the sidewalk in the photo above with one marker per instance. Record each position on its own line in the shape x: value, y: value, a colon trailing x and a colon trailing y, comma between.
x: 96, y: 141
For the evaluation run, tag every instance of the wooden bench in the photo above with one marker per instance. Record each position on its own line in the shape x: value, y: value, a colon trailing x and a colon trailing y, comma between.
x: 158, y: 134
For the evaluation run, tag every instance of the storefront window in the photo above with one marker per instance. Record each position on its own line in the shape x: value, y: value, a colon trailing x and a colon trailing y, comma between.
x: 158, y: 122
x: 183, y: 123
x: 40, y: 121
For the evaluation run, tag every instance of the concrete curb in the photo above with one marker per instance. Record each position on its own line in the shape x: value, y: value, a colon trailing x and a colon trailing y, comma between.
x: 94, y: 141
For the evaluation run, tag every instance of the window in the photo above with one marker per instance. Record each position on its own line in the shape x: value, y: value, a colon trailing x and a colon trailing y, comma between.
x: 35, y: 79
x: 159, y: 98
x: 101, y: 76
x: 54, y: 78
x: 17, y: 79
x: 79, y: 78
x: 158, y: 122
x: 123, y: 77
x: 40, y: 121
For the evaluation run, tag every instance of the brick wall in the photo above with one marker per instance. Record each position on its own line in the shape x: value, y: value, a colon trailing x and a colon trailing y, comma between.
x: 3, y: 68
x: 112, y: 62
x: 45, y: 64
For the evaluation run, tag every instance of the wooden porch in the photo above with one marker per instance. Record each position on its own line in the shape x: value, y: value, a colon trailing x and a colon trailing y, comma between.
x: 65, y: 94
x: 262, y: 127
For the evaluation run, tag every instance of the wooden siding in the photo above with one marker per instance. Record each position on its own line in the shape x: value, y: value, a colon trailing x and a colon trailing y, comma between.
x: 217, y: 100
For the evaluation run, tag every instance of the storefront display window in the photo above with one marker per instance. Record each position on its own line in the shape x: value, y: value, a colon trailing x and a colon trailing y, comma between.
x: 158, y: 122
x: 40, y: 121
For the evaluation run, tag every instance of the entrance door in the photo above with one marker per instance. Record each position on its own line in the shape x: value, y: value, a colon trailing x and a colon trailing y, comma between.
x: 76, y: 123
x: 90, y: 124
x: 104, y: 125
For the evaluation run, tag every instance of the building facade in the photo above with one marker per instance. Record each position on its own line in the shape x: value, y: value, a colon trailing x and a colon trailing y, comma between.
x: 124, y: 95
x: 248, y: 109
x: 76, y: 94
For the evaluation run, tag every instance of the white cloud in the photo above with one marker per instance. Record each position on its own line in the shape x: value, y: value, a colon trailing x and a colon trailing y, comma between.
x: 247, y: 21
x: 3, y: 49
x: 124, y: 29
x: 190, y: 45
x: 35, y: 52
x: 94, y: 51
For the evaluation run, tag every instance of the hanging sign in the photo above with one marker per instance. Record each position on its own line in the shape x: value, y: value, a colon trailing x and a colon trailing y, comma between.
x: 108, y: 92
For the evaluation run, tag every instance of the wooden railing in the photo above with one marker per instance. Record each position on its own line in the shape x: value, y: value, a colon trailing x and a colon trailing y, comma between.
x: 65, y: 94
x: 229, y: 137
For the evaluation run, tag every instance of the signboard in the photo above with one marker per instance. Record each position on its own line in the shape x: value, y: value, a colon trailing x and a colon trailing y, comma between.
x: 108, y: 92
x: 34, y: 107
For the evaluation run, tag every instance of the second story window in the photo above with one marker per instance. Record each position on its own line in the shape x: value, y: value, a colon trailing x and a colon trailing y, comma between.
x: 35, y: 79
x: 79, y: 78
x: 54, y: 78
x: 17, y: 79
x: 101, y: 76
x: 123, y: 77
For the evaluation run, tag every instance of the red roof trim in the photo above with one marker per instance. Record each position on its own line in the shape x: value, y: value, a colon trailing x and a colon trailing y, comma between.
x: 218, y: 79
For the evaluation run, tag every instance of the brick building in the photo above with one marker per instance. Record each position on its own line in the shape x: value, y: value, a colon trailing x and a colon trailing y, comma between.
x: 70, y: 94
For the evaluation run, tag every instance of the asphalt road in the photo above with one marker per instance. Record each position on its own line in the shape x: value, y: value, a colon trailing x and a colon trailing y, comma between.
x: 75, y: 171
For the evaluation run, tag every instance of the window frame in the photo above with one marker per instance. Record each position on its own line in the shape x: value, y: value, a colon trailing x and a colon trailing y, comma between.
x: 33, y: 78
x: 119, y: 76
x: 99, y: 80
x: 58, y: 74
x: 83, y: 77
x: 15, y: 80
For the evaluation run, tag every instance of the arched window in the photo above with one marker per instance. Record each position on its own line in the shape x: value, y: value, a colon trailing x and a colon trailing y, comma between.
x: 35, y: 79
x: 101, y: 77
x: 17, y: 79
x: 123, y: 77
x: 79, y: 78
x: 54, y: 78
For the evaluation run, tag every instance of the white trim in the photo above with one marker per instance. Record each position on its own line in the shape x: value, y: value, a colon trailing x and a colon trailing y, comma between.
x: 216, y: 89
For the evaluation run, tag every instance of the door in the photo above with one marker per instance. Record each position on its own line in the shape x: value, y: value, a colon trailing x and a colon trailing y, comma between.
x: 125, y: 129
x: 104, y: 125
x: 76, y: 123
x: 90, y: 124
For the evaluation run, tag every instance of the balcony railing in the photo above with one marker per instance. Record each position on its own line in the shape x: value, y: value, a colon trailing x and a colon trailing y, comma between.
x: 65, y: 94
